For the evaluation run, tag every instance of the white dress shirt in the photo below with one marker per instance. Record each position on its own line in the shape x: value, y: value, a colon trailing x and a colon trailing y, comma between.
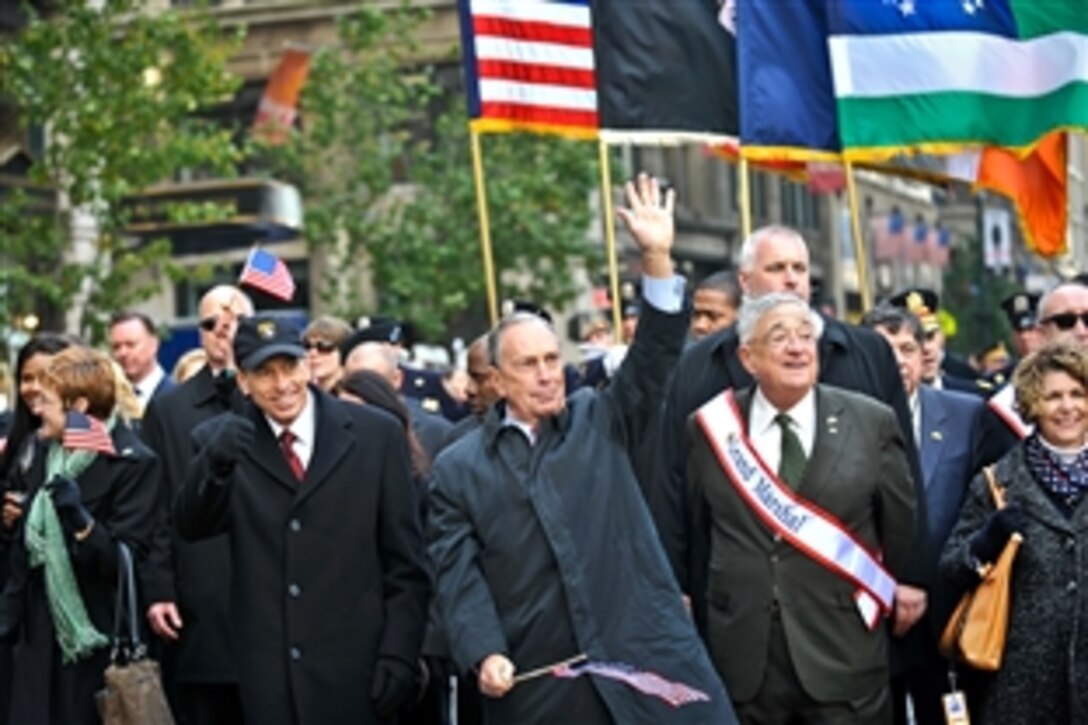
x: 145, y: 388
x: 766, y: 435
x: 304, y: 428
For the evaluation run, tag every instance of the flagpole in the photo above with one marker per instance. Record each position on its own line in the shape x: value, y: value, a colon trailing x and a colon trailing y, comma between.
x: 485, y: 226
x: 610, y: 240
x: 744, y: 198
x: 861, y: 259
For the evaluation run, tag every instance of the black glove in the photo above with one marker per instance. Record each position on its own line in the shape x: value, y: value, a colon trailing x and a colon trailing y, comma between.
x: 234, y: 435
x: 394, y: 683
x: 986, y: 545
x: 68, y: 501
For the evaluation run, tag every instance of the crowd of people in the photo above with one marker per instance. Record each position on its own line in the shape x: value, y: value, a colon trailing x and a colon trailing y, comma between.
x: 753, y: 512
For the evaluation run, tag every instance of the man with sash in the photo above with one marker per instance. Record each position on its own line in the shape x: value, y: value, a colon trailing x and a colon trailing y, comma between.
x: 807, y: 495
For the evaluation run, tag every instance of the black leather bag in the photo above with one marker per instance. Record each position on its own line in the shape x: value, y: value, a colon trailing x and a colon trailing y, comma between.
x: 133, y: 694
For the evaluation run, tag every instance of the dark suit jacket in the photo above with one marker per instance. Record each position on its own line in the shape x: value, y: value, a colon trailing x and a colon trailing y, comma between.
x: 191, y: 575
x: 166, y: 384
x: 852, y: 358
x: 858, y: 473
x: 328, y: 574
x: 959, y: 436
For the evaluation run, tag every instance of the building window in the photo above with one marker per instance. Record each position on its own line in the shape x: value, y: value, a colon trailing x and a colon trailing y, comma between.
x: 799, y: 206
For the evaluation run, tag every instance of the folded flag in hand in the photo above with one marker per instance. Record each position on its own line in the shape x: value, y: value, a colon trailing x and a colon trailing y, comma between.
x: 650, y: 683
x: 84, y: 433
x: 268, y: 273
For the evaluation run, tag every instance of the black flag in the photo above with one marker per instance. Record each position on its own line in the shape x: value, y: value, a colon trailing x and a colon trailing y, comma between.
x: 665, y: 65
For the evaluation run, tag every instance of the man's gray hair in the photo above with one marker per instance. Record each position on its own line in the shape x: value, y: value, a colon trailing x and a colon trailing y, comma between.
x: 754, y: 308
x: 748, y: 247
x: 494, y: 338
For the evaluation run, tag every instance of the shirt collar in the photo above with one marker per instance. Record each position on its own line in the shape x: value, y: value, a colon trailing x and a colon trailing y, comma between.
x: 761, y: 417
x: 303, y: 427
x: 147, y: 384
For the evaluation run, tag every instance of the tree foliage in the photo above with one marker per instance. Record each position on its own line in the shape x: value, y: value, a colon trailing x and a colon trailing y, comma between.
x: 118, y: 93
x: 383, y: 161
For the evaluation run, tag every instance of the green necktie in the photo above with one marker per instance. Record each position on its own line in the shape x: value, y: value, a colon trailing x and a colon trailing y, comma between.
x: 792, y: 463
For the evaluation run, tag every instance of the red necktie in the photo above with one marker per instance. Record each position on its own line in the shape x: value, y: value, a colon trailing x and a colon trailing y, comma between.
x: 287, y: 443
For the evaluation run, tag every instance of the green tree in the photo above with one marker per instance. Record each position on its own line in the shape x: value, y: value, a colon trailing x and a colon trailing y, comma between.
x: 383, y: 162
x: 117, y: 92
x: 974, y: 292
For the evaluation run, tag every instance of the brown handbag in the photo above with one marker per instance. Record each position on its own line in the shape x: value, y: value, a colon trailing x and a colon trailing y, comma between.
x: 975, y: 632
x: 133, y: 694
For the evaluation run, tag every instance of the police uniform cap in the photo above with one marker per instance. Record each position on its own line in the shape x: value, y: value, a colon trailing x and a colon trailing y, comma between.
x: 373, y: 329
x: 922, y: 303
x: 1021, y: 309
x: 261, y: 337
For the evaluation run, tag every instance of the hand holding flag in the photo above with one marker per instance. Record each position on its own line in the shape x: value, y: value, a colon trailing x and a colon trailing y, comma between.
x: 85, y: 433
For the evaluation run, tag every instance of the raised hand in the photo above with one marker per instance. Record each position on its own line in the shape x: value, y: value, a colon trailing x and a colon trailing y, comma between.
x: 648, y: 219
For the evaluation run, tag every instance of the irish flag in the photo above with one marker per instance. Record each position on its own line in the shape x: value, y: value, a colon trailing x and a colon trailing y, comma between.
x: 935, y: 75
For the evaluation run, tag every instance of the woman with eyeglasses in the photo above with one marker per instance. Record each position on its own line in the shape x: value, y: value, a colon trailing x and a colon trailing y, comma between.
x: 322, y: 339
x: 1045, y: 478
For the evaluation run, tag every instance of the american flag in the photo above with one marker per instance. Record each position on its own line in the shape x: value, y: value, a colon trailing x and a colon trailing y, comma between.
x: 267, y: 272
x: 84, y: 433
x: 530, y: 65
x: 650, y: 683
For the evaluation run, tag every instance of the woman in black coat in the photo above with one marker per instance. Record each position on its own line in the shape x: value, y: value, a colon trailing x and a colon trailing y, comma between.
x: 20, y: 442
x: 1045, y: 666
x: 108, y: 498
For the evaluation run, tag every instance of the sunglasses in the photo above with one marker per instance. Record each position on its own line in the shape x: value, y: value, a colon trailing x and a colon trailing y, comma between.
x: 320, y: 345
x: 1067, y: 320
x: 208, y: 323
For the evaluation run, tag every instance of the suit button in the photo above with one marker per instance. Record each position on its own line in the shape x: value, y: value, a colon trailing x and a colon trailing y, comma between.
x: 774, y: 558
x: 1070, y: 544
x: 295, y: 525
x: 296, y: 653
x: 294, y: 590
x: 1071, y: 586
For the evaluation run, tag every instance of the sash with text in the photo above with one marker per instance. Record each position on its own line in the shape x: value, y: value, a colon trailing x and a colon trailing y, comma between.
x: 810, y: 530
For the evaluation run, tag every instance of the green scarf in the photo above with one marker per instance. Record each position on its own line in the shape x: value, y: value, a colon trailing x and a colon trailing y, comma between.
x: 47, y: 547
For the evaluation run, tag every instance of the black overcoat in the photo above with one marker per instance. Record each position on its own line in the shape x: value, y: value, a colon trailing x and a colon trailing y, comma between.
x: 1045, y: 667
x: 188, y: 574
x: 545, y: 552
x: 120, y: 493
x: 329, y: 574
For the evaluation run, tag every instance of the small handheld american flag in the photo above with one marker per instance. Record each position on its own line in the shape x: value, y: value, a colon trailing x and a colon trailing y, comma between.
x: 84, y: 433
x: 676, y: 694
x: 268, y: 273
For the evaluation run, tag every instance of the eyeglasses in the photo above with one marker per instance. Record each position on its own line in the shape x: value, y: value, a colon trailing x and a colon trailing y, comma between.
x: 320, y: 345
x: 780, y: 339
x: 1067, y: 320
x: 208, y: 323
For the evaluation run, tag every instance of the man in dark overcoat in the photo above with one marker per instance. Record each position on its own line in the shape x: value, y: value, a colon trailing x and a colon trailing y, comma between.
x: 181, y: 583
x: 542, y: 545
x: 329, y: 590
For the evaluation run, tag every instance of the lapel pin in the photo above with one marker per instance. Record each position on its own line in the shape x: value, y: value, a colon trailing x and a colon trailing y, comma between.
x: 936, y: 435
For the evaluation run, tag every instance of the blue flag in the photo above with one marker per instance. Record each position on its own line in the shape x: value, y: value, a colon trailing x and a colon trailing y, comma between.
x: 787, y: 101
